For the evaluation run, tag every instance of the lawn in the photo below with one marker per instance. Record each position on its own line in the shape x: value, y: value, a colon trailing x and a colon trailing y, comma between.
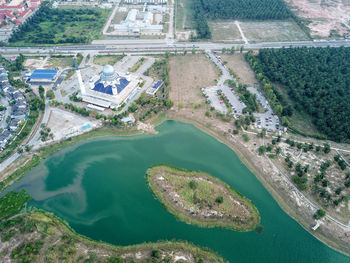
x: 61, y: 62
x: 60, y: 26
x: 103, y: 60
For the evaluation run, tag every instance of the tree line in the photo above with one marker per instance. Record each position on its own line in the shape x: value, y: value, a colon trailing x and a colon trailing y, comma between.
x: 236, y: 9
x: 317, y: 80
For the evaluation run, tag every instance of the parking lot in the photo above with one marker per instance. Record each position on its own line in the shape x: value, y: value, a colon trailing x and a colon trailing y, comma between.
x: 232, y: 98
x: 214, y: 100
x: 267, y: 120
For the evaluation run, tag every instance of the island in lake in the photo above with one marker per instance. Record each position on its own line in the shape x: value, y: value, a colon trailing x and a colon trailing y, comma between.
x: 200, y: 199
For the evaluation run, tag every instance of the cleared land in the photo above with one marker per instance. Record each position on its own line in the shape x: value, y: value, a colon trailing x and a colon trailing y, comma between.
x: 225, y: 31
x: 238, y: 64
x: 103, y: 60
x: 64, y: 124
x: 187, y: 75
x: 39, y: 236
x: 272, y: 31
x: 200, y: 199
x: 324, y: 17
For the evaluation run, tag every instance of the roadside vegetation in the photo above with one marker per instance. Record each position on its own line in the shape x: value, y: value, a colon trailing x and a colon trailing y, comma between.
x: 30, y: 235
x: 200, y: 199
x: 60, y: 26
x: 316, y: 80
x: 137, y: 65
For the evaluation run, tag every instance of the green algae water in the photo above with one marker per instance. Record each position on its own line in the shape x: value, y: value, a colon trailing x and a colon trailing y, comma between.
x: 99, y: 188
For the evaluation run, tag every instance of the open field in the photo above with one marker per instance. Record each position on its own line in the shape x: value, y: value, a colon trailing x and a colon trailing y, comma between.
x: 61, y: 62
x: 103, y: 60
x: 324, y: 17
x: 225, y: 31
x: 272, y: 31
x: 187, y: 75
x: 200, y: 199
x: 183, y: 16
x: 241, y: 68
x: 64, y: 124
x: 54, y: 62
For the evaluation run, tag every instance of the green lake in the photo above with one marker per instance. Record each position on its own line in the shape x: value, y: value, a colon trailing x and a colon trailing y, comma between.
x: 99, y: 188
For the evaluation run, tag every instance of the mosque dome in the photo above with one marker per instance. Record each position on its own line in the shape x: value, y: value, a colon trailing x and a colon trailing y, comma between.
x: 108, y: 70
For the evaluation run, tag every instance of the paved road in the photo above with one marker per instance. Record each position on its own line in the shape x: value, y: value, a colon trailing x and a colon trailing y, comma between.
x: 139, y: 45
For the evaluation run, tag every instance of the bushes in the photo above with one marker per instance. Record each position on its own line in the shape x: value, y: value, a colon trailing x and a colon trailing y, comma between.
x: 13, y: 202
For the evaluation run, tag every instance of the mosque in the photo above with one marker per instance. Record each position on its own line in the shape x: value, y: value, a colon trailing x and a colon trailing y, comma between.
x: 110, y: 89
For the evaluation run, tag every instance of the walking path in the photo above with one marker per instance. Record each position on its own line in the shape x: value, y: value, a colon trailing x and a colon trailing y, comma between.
x: 109, y: 21
x: 241, y: 32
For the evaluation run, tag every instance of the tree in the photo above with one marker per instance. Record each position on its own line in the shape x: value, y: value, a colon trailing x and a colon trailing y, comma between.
x: 326, y: 148
x: 262, y: 150
x: 219, y: 199
x: 319, y: 214
x: 192, y: 184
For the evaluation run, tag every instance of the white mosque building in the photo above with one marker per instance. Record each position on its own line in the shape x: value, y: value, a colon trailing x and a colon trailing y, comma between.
x: 110, y: 89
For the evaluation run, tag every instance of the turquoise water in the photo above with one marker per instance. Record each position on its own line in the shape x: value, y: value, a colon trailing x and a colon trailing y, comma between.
x: 99, y: 187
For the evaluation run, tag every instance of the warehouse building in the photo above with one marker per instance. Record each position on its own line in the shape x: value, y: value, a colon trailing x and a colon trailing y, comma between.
x: 42, y: 76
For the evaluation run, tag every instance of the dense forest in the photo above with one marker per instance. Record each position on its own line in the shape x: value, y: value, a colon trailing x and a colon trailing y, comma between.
x: 245, y: 9
x: 56, y: 26
x: 236, y: 9
x: 317, y: 79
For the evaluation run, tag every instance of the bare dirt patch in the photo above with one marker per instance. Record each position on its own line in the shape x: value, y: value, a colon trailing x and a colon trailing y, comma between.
x: 65, y: 124
x: 187, y: 75
x: 239, y: 65
x: 325, y: 15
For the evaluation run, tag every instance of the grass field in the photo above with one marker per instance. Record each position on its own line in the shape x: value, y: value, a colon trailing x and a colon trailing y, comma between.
x: 183, y: 15
x: 225, y: 31
x: 272, y: 31
x: 200, y: 199
x: 61, y: 62
x: 103, y: 60
x: 241, y: 68
x: 187, y: 75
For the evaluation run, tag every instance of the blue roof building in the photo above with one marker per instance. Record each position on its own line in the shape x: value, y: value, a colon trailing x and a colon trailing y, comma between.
x: 110, y: 82
x: 43, y: 75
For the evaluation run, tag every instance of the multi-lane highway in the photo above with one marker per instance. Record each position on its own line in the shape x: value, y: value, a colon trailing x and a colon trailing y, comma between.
x: 119, y: 46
